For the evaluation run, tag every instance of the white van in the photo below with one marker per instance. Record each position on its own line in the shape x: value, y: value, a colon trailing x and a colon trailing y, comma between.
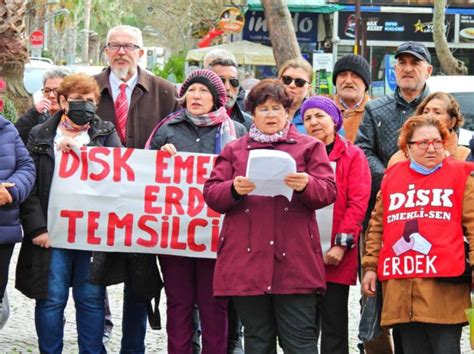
x: 462, y: 88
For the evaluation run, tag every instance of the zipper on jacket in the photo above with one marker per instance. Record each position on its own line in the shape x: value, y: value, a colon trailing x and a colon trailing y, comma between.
x: 249, y: 244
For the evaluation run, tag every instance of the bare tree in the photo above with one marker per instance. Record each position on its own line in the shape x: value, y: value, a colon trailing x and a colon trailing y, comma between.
x: 13, y: 53
x: 449, y: 64
x: 281, y: 31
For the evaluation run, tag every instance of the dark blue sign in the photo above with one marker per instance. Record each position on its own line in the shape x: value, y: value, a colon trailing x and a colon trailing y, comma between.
x: 256, y: 30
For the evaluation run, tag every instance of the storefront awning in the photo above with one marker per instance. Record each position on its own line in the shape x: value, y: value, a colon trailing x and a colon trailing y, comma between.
x: 245, y: 52
x: 317, y: 6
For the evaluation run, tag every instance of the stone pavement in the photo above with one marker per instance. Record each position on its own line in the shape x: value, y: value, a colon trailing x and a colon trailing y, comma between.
x: 19, y: 335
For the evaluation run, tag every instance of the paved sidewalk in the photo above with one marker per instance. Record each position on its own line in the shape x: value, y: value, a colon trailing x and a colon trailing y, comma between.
x: 19, y: 333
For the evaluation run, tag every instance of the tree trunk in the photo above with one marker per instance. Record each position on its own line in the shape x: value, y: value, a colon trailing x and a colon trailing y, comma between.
x: 449, y: 64
x: 281, y: 31
x: 87, y: 23
x: 13, y: 53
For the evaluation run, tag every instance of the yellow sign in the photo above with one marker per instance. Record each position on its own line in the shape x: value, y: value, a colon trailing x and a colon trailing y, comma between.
x: 231, y: 20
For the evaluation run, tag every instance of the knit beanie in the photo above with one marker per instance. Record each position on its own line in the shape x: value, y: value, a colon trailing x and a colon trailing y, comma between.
x: 325, y: 104
x: 355, y: 63
x: 209, y: 79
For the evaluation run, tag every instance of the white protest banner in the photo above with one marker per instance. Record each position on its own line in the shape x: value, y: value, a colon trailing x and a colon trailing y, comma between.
x: 127, y: 200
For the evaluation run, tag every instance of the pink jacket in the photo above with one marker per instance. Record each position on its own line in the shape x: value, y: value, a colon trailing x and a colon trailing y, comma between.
x: 353, y: 183
x: 268, y: 244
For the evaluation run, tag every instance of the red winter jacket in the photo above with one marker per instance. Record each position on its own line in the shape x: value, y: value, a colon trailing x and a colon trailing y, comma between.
x: 269, y: 244
x: 353, y: 183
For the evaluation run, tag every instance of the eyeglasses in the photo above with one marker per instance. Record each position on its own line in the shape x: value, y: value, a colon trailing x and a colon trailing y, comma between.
x: 128, y: 47
x: 47, y: 91
x: 424, y: 144
x: 233, y: 81
x: 287, y: 80
x: 267, y: 112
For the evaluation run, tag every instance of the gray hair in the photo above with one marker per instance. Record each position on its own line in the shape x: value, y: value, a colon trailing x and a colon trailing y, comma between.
x: 222, y: 62
x: 218, y: 53
x: 55, y: 72
x: 133, y: 31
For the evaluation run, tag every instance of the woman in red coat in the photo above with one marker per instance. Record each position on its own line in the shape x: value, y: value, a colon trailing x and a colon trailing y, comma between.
x: 322, y: 120
x: 269, y: 257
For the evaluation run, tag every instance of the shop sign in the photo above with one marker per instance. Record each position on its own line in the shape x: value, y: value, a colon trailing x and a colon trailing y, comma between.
x: 452, y: 3
x: 231, y: 20
x: 394, y: 27
x: 390, y: 78
x: 466, y: 28
x: 256, y: 29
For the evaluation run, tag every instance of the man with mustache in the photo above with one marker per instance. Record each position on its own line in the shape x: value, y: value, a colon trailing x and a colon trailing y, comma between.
x: 384, y: 116
x: 226, y: 69
x: 351, y: 76
x: 135, y: 101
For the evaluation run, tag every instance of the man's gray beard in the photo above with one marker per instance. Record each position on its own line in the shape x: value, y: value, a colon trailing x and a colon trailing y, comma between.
x: 123, y: 73
x: 230, y: 102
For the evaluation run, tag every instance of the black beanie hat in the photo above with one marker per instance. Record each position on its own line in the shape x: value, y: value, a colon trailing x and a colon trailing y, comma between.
x: 355, y: 63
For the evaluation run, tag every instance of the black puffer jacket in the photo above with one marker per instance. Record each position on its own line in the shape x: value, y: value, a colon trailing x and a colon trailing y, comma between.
x: 379, y: 131
x: 241, y: 116
x: 186, y: 137
x: 33, y: 262
x: 29, y: 120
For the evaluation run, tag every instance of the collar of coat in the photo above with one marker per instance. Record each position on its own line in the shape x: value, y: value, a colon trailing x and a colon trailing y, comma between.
x: 340, y: 146
x: 143, y: 80
x: 47, y: 130
x: 290, y: 139
x: 360, y: 106
x: 401, y: 101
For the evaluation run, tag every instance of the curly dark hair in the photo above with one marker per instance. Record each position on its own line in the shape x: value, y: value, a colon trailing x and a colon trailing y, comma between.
x: 265, y: 90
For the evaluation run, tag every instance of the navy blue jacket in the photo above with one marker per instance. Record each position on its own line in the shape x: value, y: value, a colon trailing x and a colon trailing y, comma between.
x: 16, y: 166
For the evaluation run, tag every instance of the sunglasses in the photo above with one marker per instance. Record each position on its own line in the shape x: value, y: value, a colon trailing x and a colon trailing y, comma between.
x: 233, y: 81
x: 287, y: 80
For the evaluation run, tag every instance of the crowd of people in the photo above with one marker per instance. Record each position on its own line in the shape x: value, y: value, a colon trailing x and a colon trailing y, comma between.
x: 396, y: 188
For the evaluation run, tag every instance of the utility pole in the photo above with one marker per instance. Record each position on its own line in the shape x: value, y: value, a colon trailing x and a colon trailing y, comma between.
x: 358, y: 27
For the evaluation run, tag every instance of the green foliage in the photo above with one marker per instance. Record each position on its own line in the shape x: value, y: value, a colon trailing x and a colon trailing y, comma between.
x: 9, y: 110
x: 173, y: 70
x: 46, y: 54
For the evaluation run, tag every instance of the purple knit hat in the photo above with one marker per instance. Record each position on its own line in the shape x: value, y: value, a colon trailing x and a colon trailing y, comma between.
x: 326, y: 105
x: 211, y: 81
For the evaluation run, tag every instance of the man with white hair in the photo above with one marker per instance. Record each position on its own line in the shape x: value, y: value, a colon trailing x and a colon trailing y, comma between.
x: 135, y: 101
x: 146, y: 98
x: 217, y: 53
x: 224, y: 64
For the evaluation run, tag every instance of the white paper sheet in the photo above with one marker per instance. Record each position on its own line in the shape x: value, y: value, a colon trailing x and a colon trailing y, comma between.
x: 268, y: 169
x: 325, y: 218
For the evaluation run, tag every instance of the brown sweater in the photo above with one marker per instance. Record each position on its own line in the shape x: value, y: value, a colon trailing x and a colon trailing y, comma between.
x: 352, y: 117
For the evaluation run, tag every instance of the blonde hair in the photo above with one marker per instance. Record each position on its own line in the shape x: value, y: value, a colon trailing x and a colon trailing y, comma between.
x: 297, y: 63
